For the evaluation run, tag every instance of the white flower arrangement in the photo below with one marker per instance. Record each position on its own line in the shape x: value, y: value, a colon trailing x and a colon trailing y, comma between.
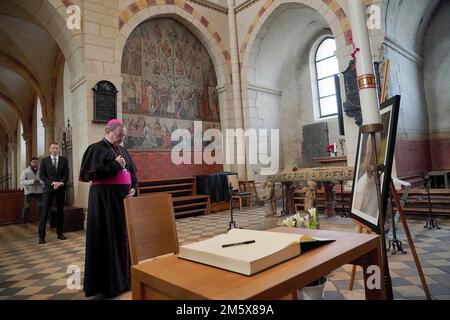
x: 309, y: 221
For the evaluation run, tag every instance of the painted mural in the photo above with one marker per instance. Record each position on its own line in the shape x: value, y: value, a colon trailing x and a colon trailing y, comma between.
x: 168, y: 82
x: 145, y: 132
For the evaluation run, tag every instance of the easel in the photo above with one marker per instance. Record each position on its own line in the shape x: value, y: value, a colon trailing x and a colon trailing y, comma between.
x: 399, y: 206
x: 431, y: 220
x: 362, y: 227
x: 232, y: 223
x: 394, y: 196
x: 396, y: 245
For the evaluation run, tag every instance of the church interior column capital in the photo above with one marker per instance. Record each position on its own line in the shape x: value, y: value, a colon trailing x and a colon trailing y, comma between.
x: 12, y: 146
x: 48, y: 122
x: 27, y: 136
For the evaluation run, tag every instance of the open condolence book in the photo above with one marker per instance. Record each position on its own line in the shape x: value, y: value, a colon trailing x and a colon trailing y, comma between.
x: 248, y: 251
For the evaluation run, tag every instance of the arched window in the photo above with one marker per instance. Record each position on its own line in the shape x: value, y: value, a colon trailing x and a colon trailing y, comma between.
x: 325, y: 66
x: 40, y: 132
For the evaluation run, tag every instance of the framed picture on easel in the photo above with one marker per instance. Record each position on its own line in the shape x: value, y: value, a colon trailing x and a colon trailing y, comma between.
x: 364, y: 206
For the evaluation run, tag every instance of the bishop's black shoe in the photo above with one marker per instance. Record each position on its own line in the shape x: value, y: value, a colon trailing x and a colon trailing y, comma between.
x: 61, y: 237
x: 41, y: 240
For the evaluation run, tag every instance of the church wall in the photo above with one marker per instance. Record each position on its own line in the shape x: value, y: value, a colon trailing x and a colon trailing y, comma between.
x: 209, y: 25
x: 271, y: 96
x: 436, y: 81
x: 100, y: 28
x: 412, y: 147
x: 214, y: 20
x: 169, y: 82
x: 248, y: 16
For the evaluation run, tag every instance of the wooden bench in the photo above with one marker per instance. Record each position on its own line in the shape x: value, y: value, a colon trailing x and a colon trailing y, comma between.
x: 186, y: 201
x: 11, y: 206
x: 343, y: 201
x: 415, y: 180
x: 440, y: 201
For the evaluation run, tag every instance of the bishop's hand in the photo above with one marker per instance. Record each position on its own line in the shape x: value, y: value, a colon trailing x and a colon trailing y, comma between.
x: 121, y: 161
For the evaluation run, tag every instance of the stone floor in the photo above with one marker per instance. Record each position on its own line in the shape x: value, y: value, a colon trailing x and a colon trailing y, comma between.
x: 32, y: 271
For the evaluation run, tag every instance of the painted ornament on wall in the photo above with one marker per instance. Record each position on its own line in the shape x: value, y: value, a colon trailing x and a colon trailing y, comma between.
x: 168, y: 79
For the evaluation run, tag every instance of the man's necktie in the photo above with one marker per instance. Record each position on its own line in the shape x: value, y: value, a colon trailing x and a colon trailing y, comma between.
x: 54, y: 163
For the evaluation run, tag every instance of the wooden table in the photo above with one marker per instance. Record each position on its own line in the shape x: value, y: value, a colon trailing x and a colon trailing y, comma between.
x: 312, y: 176
x: 330, y: 194
x: 339, y: 161
x: 169, y: 277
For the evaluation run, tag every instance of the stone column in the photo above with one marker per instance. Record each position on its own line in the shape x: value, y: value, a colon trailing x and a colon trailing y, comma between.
x: 49, y: 127
x: 3, y: 163
x: 236, y: 80
x: 27, y: 137
x: 12, y: 150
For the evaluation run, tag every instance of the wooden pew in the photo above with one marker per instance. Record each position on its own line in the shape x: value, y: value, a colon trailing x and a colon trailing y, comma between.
x: 440, y: 201
x: 11, y: 205
x: 186, y: 202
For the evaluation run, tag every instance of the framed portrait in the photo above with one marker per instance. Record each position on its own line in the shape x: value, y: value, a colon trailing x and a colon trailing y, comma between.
x: 364, y: 206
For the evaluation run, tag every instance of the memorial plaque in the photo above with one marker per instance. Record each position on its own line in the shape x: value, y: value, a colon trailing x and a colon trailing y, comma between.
x: 105, y: 101
x: 352, y: 105
x: 315, y: 142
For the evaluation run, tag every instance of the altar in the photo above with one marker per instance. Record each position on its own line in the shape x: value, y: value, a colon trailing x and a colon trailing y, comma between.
x: 313, y: 177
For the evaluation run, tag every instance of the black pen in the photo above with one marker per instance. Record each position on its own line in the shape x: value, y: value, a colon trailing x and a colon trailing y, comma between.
x: 238, y: 243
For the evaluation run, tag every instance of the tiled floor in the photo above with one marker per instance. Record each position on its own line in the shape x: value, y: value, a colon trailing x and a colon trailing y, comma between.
x: 32, y: 271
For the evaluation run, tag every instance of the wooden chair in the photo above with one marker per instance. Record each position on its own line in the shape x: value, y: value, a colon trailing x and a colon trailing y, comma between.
x: 237, y: 193
x: 151, y: 226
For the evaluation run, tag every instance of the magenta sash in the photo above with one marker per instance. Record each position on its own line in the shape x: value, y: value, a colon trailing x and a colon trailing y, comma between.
x: 122, y: 177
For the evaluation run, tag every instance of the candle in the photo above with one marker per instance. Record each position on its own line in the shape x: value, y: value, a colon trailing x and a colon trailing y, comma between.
x: 334, y: 147
x: 364, y: 64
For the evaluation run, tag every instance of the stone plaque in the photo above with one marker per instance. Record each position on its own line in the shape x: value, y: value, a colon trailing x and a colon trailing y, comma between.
x: 105, y: 101
x: 352, y: 105
x: 315, y: 142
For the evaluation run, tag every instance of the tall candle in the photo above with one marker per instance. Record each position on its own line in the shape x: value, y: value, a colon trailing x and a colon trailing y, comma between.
x: 364, y: 65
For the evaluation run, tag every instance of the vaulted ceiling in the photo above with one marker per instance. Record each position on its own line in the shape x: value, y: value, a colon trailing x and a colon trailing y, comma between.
x: 27, y: 66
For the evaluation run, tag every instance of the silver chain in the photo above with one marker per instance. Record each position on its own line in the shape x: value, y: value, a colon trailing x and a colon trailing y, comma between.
x: 419, y: 198
x: 115, y: 153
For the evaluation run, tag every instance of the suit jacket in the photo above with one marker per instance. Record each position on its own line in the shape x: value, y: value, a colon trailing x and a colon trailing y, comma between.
x: 48, y: 174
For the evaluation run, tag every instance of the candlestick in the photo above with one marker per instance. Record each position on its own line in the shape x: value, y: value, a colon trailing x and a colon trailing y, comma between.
x: 370, y: 113
x: 364, y: 64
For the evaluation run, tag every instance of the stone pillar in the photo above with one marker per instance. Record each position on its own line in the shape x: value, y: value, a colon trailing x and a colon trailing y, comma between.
x: 27, y: 137
x: 3, y: 163
x: 12, y: 150
x: 236, y: 80
x: 49, y: 127
x: 101, y: 62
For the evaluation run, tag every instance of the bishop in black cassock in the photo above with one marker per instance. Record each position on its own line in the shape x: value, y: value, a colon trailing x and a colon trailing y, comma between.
x: 112, y: 173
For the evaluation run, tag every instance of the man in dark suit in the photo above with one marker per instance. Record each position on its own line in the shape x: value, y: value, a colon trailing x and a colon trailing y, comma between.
x: 54, y: 171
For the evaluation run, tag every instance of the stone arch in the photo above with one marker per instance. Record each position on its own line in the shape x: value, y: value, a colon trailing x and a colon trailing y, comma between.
x: 333, y: 17
x: 421, y: 24
x: 330, y: 10
x: 181, y: 11
x: 9, y: 101
x: 5, y: 126
x: 52, y: 15
x: 19, y: 68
